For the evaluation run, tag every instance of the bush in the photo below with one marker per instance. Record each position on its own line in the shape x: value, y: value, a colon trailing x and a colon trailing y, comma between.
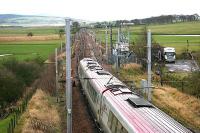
x: 14, y: 77
x: 193, y: 85
x: 30, y: 34
x: 11, y: 88
x: 25, y: 71
x: 191, y: 82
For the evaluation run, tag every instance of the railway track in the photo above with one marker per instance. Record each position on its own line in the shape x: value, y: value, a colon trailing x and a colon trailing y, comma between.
x: 83, y: 122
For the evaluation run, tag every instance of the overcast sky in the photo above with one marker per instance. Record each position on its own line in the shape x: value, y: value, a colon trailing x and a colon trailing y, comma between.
x: 100, y: 10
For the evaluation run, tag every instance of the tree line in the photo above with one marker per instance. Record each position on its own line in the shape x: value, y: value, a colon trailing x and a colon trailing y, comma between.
x: 163, y: 19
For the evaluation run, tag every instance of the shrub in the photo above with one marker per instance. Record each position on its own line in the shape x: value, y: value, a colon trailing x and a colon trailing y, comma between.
x: 25, y: 71
x: 193, y: 85
x: 30, y: 34
x: 11, y: 87
x: 190, y: 85
x: 15, y: 76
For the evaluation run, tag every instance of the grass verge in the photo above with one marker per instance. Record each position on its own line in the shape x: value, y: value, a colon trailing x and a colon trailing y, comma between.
x: 4, y: 123
x: 41, y: 115
x: 182, y: 107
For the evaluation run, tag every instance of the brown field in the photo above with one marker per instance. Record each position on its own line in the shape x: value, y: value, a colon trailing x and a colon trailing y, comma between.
x: 42, y: 110
x: 131, y: 66
x: 26, y: 38
x: 183, y: 107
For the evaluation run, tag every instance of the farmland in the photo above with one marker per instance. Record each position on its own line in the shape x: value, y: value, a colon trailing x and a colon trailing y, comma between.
x: 163, y: 34
x: 19, y: 31
x: 14, y: 41
x: 27, y: 50
x: 192, y: 28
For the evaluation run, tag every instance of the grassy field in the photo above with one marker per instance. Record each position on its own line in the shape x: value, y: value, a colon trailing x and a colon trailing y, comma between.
x: 176, y: 28
x: 4, y: 124
x: 27, y: 50
x: 23, y: 31
x: 179, y: 42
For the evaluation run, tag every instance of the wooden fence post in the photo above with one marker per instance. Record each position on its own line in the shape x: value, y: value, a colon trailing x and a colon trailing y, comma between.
x: 12, y: 128
x: 182, y: 86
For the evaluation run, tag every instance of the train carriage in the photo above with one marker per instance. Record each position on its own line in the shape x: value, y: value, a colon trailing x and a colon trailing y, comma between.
x: 117, y: 109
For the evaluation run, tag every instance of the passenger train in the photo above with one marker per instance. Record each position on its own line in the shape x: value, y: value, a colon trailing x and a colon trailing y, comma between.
x: 119, y: 110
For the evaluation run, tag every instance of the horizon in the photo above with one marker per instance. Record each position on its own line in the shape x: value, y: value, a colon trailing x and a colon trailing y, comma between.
x: 100, y: 11
x: 91, y: 21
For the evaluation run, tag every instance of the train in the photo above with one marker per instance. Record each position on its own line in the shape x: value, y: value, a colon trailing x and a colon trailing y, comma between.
x: 119, y: 110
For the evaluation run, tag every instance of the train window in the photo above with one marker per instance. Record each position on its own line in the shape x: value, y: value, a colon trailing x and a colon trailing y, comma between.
x: 115, y: 125
x: 92, y: 92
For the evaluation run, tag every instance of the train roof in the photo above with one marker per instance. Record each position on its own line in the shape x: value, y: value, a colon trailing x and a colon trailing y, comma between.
x: 128, y: 106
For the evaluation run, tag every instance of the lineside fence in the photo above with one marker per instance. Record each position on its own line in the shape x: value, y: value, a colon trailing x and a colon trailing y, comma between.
x: 18, y: 111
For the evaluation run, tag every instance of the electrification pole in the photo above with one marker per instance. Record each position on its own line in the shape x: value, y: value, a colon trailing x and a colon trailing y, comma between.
x: 68, y: 77
x: 149, y: 64
x: 118, y: 36
x: 128, y: 37
x: 111, y: 44
x: 56, y: 63
x: 106, y: 41
x: 61, y: 48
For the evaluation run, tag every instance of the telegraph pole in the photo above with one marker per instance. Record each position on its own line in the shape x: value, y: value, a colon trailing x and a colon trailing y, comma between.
x: 68, y: 77
x: 56, y: 63
x: 149, y: 64
x: 61, y: 48
x: 111, y: 45
x: 106, y: 41
x: 187, y: 46
x: 118, y: 36
x: 128, y: 36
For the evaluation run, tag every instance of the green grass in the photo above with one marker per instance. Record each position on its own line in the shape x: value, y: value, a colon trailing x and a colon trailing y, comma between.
x: 24, y: 31
x: 28, y: 50
x: 177, y: 28
x: 4, y: 124
x: 179, y: 42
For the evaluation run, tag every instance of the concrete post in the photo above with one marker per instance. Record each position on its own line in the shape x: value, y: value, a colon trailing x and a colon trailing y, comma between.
x: 61, y: 48
x: 111, y: 45
x: 106, y: 41
x: 128, y: 37
x: 118, y: 36
x: 68, y: 78
x: 56, y: 63
x: 149, y: 63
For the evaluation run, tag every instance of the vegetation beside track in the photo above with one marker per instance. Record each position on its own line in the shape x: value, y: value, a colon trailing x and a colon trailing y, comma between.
x: 181, y: 106
x: 41, y: 115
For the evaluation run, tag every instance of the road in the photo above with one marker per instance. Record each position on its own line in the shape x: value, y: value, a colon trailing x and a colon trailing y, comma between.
x: 182, y: 66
